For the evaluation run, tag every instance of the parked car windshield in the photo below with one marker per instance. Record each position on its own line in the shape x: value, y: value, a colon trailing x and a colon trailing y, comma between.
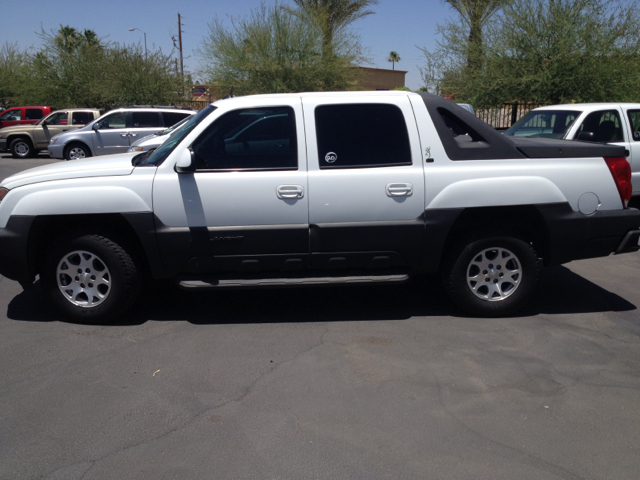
x: 544, y: 123
x: 162, y: 152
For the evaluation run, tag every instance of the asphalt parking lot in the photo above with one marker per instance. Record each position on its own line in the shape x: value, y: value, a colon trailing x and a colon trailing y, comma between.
x: 330, y: 383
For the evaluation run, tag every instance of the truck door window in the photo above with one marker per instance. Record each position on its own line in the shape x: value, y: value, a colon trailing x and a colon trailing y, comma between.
x: 12, y: 115
x: 634, y: 121
x: 59, y: 118
x: 249, y: 139
x: 605, y: 125
x: 361, y: 135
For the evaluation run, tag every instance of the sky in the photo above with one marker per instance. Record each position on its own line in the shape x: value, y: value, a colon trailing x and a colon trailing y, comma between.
x: 398, y: 25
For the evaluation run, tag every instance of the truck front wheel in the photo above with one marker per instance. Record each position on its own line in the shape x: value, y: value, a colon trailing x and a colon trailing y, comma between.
x: 491, y: 276
x: 21, y: 148
x: 91, y: 278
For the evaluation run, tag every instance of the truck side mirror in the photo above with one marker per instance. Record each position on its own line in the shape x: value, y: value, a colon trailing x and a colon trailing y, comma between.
x: 186, y: 161
x: 587, y: 136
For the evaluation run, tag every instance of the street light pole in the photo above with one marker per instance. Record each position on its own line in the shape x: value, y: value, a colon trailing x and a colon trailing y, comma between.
x: 145, y: 40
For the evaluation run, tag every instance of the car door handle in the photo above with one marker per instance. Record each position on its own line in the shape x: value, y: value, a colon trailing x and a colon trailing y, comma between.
x: 124, y: 134
x: 133, y: 134
x: 290, y: 191
x: 399, y: 189
x: 65, y: 129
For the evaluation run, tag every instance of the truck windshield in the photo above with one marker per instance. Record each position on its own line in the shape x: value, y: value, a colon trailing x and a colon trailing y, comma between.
x: 544, y: 123
x: 162, y: 152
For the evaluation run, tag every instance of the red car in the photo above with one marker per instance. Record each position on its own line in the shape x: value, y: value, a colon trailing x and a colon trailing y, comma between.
x: 22, y: 115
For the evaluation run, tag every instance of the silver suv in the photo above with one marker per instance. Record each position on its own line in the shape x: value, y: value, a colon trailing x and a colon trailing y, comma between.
x: 115, y: 131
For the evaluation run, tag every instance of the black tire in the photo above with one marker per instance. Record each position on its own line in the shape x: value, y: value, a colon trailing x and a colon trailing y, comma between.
x: 491, y: 275
x: 76, y: 151
x: 21, y: 148
x: 91, y: 278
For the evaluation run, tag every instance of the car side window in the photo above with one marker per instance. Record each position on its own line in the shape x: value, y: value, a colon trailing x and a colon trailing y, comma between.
x: 12, y: 115
x: 171, y: 118
x: 602, y: 126
x: 59, y: 118
x: 117, y: 120
x: 249, y: 139
x: 33, y: 114
x: 146, y: 120
x: 361, y: 135
x: 634, y: 121
x: 81, y: 118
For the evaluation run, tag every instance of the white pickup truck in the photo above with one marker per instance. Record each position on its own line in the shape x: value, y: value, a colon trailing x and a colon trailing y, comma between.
x: 317, y: 189
x: 613, y: 123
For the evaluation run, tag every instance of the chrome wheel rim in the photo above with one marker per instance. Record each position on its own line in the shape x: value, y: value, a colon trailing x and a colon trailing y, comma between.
x: 76, y: 152
x: 83, y: 278
x: 22, y: 149
x: 494, y: 274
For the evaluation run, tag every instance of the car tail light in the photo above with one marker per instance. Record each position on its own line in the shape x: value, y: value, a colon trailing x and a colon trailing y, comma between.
x: 3, y: 193
x: 621, y: 171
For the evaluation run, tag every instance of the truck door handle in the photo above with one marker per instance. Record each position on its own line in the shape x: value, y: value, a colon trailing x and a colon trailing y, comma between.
x: 290, y: 191
x: 399, y: 189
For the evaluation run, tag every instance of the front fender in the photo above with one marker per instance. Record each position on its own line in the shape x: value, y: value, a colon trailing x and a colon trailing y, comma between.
x: 81, y: 200
x: 501, y: 191
x: 75, y: 201
x: 13, y: 135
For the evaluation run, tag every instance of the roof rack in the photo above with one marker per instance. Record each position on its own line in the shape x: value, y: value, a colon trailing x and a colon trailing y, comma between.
x: 159, y: 106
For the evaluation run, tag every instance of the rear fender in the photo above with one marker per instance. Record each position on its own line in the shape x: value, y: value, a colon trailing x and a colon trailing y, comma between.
x: 501, y: 191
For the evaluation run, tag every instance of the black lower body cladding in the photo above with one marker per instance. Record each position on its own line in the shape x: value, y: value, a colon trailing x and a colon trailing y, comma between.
x: 15, y: 263
x: 573, y: 236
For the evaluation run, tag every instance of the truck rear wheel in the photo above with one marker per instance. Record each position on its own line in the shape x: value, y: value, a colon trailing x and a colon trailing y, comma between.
x: 91, y: 278
x: 21, y: 148
x: 491, y: 276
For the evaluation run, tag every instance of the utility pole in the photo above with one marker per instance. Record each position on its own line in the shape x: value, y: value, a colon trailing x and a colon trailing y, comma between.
x: 181, y: 60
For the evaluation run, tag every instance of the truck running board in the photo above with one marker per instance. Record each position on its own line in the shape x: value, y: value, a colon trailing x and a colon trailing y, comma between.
x: 211, y: 283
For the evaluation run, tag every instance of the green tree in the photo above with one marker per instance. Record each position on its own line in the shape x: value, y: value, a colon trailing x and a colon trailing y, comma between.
x: 544, y: 51
x: 14, y: 73
x: 75, y: 69
x: 394, y: 57
x: 332, y: 16
x: 475, y: 14
x: 271, y: 50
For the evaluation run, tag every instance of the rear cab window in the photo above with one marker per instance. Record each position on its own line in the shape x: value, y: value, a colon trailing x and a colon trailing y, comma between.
x: 361, y: 136
x: 33, y: 114
x: 81, y: 118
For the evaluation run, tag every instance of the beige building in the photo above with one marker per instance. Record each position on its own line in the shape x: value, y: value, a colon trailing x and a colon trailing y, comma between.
x: 380, y: 78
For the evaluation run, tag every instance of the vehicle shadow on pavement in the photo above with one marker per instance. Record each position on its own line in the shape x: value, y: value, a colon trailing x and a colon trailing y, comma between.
x: 560, y: 291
